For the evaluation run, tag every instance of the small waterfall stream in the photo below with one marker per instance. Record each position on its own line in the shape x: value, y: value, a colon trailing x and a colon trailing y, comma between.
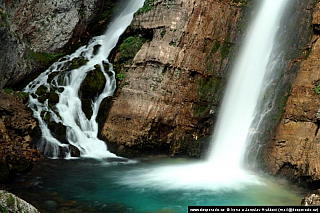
x: 55, y: 93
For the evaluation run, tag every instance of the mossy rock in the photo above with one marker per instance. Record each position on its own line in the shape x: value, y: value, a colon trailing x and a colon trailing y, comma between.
x: 53, y: 99
x: 96, y: 49
x: 4, y: 172
x: 93, y: 84
x: 86, y: 107
x: 77, y: 62
x: 75, y: 152
x: 51, y: 76
x: 45, y: 115
x: 42, y: 90
x: 58, y: 130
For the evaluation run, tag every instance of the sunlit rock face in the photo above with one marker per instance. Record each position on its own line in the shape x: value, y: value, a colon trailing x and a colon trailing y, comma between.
x: 295, y: 150
x: 30, y: 28
x: 172, y: 83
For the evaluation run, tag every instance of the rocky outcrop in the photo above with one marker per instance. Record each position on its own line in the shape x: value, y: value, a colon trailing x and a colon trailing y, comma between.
x: 34, y: 32
x: 17, y: 131
x: 294, y: 152
x: 171, y: 82
x: 11, y: 203
x: 311, y: 200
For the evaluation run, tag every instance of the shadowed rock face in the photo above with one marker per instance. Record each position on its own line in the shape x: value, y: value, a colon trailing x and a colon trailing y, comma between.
x: 173, y: 85
x: 17, y: 131
x: 32, y: 32
x: 295, y: 150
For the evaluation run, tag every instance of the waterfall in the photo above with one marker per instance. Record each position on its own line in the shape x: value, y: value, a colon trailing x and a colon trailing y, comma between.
x: 54, y: 95
x: 224, y: 167
x: 245, y: 86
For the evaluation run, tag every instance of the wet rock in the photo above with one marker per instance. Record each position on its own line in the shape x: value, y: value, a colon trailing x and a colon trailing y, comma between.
x: 311, y: 200
x: 90, y: 88
x: 75, y: 152
x: 58, y: 130
x: 294, y: 151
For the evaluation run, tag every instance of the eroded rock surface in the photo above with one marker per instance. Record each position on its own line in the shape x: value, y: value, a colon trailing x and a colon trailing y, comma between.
x: 295, y: 150
x: 170, y: 89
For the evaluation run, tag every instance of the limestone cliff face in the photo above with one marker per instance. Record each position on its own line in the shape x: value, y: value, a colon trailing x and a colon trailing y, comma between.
x: 32, y: 32
x: 295, y: 150
x: 170, y: 89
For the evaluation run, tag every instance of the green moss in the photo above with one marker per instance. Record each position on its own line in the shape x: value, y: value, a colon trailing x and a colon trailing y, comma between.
x: 4, y: 18
x: 148, y: 6
x: 120, y: 76
x: 163, y: 31
x: 129, y: 48
x: 317, y: 89
x: 208, y: 90
x: 7, y: 90
x: 3, y: 210
x: 124, y: 84
x: 42, y: 90
x: 77, y: 62
x: 225, y: 49
x: 11, y: 201
x: 44, y: 59
x: 173, y: 43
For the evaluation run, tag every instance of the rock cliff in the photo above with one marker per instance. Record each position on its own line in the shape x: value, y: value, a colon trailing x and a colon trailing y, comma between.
x: 33, y: 33
x: 18, y: 131
x: 172, y: 66
x: 294, y: 151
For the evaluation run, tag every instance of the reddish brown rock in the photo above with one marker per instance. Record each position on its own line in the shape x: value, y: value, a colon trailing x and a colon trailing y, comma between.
x: 295, y: 150
x: 173, y: 85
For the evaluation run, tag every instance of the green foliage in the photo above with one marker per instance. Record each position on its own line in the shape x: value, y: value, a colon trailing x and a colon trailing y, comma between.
x: 3, y: 17
x: 44, y: 59
x: 148, y: 5
x: 11, y: 201
x: 7, y: 90
x: 120, y: 76
x: 3, y: 210
x: 173, y: 43
x: 163, y: 32
x: 129, y: 47
x: 317, y: 89
x: 124, y: 84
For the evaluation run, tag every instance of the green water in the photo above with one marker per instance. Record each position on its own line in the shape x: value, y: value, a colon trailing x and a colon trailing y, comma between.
x: 103, y: 186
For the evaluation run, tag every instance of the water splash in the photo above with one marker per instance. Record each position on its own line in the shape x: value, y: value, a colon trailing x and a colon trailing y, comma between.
x: 62, y: 82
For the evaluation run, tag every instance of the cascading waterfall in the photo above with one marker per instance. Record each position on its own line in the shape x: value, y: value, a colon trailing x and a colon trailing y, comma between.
x: 245, y: 87
x: 55, y: 93
x: 224, y: 167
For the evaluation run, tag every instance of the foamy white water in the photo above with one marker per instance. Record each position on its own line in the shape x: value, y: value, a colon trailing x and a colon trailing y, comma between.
x: 224, y: 166
x: 81, y: 131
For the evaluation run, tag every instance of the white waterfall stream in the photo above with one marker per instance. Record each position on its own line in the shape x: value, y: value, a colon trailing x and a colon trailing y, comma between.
x: 224, y: 167
x: 64, y: 80
x: 245, y: 86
